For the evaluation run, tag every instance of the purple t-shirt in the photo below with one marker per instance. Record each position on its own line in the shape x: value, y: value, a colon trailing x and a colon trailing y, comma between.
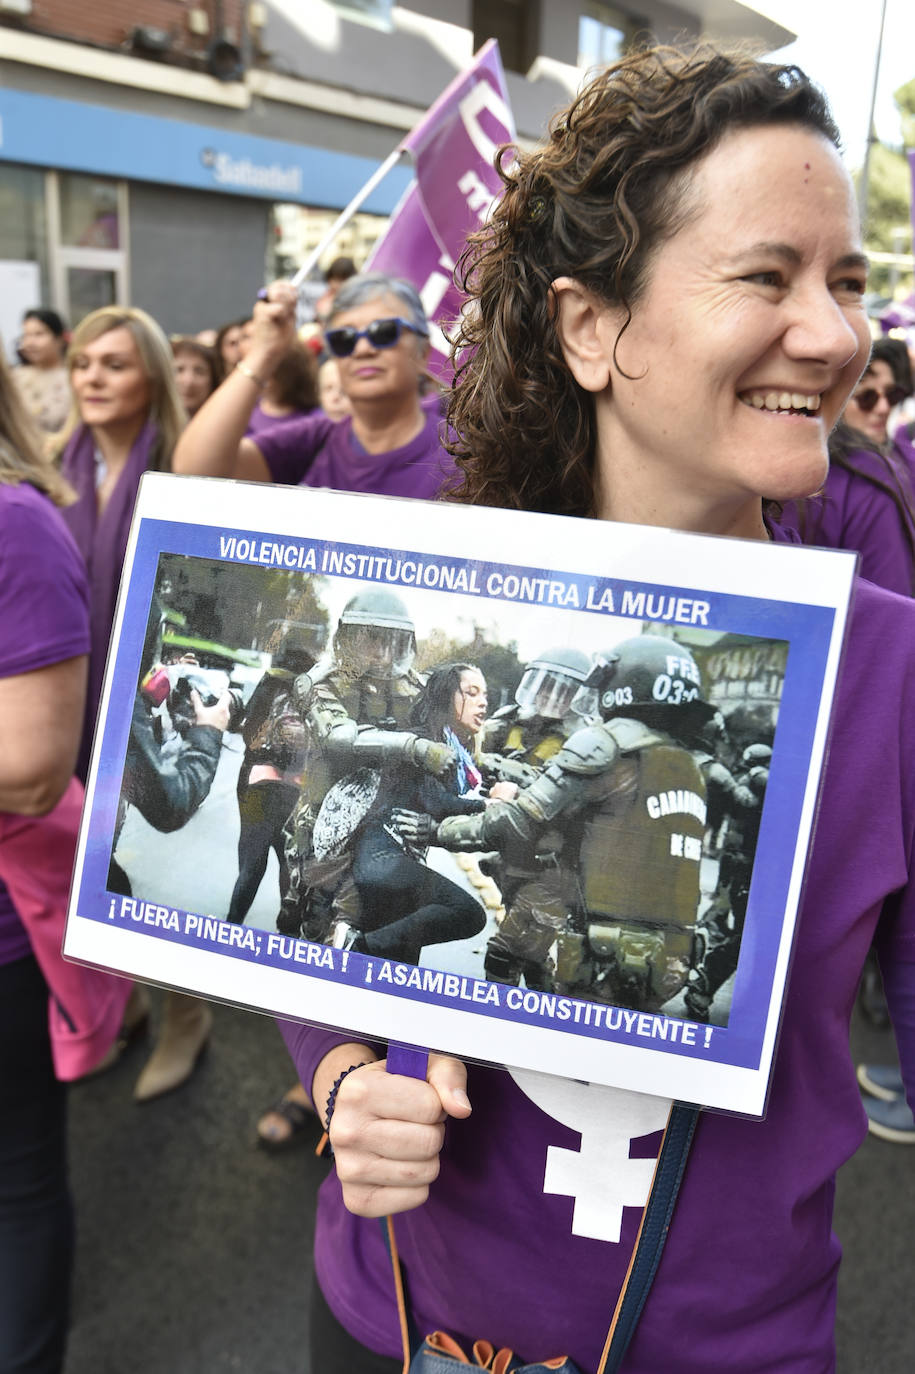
x: 904, y: 447
x: 261, y: 421
x: 44, y: 618
x: 748, y: 1277
x: 317, y: 452
x: 869, y: 509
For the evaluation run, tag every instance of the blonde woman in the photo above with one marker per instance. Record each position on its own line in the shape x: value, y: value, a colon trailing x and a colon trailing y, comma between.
x: 125, y: 421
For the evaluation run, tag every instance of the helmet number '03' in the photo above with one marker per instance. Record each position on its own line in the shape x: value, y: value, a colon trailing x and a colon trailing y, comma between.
x: 617, y: 696
x: 673, y: 690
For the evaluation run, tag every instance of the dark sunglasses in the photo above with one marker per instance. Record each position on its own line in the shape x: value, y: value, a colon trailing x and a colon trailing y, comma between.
x: 869, y: 397
x: 380, y: 334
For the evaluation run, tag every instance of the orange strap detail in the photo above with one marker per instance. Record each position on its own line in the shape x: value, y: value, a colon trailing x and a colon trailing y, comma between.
x: 398, y: 1288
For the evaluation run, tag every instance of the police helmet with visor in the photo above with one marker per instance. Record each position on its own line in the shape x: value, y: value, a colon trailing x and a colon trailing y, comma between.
x: 375, y: 636
x: 550, y: 683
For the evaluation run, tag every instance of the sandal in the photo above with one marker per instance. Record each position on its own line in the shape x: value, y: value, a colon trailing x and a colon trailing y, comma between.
x: 301, y: 1121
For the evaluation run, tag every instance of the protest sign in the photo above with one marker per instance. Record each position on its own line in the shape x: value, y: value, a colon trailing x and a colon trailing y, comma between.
x: 651, y: 824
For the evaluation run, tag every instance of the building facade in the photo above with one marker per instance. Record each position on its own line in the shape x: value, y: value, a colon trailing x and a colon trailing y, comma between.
x: 173, y: 154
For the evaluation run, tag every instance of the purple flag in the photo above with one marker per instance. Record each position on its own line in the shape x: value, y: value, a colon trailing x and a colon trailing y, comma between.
x: 453, y: 147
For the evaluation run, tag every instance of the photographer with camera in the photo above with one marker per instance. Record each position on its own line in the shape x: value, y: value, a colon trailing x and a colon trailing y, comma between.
x: 167, y: 788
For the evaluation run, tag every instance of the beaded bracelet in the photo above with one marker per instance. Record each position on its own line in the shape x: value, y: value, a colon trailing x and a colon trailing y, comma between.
x: 252, y: 376
x: 332, y: 1095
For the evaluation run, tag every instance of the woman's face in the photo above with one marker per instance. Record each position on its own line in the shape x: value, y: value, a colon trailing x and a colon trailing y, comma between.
x: 109, y: 380
x: 878, y: 377
x: 39, y: 345
x: 744, y: 345
x: 380, y: 374
x: 192, y: 377
x: 230, y: 346
x: 245, y: 340
x: 470, y: 702
x: 331, y: 396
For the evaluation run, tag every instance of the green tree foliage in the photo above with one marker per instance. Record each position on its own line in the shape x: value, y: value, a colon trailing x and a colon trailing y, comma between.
x: 888, y: 209
x: 889, y: 199
x: 241, y: 606
x: 905, y: 104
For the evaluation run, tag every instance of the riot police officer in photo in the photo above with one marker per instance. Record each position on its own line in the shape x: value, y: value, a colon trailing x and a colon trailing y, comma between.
x: 726, y: 796
x: 355, y: 704
x: 518, y: 740
x: 536, y: 724
x: 611, y: 835
x: 720, y: 929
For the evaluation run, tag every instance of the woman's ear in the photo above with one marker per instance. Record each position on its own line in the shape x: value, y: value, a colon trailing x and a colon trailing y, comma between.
x: 585, y: 332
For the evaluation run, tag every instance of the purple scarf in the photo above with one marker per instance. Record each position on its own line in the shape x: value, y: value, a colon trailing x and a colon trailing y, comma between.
x: 102, y: 541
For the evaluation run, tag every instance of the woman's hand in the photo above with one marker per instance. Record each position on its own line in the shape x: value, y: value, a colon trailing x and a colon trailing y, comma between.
x: 387, y: 1132
x: 214, y: 443
x: 274, y: 328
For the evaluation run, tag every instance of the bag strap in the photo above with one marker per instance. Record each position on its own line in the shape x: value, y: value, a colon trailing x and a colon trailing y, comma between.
x: 410, y: 1338
x: 653, y: 1229
x: 646, y: 1255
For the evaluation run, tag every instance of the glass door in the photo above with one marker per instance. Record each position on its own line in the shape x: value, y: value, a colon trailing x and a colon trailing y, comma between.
x: 88, y: 224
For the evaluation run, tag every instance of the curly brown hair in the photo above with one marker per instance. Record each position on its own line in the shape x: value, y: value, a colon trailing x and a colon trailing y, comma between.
x: 594, y: 202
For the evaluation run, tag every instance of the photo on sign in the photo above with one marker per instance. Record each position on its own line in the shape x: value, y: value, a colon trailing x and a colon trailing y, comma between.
x: 565, y: 806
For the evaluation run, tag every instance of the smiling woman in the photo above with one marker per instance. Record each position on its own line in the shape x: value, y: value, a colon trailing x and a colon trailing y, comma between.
x: 758, y: 291
x: 665, y: 322
x: 125, y: 418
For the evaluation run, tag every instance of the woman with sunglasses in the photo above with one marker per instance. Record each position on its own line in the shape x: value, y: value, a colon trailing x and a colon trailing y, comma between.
x: 867, y: 502
x: 389, y: 445
x: 667, y: 322
x: 875, y: 396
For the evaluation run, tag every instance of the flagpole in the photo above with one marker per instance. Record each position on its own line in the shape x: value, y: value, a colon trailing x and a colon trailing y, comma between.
x: 346, y: 215
x: 864, y: 179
